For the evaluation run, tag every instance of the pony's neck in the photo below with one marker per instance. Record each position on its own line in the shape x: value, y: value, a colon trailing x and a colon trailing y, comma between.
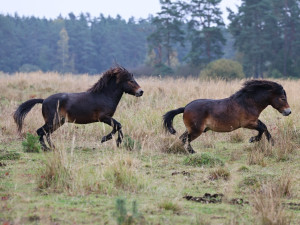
x: 258, y: 102
x: 113, y: 92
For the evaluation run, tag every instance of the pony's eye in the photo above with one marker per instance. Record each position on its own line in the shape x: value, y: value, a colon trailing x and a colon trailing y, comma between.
x: 282, y: 99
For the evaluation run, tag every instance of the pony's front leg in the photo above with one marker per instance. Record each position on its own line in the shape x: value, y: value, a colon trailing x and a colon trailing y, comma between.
x: 117, y: 127
x: 261, y: 128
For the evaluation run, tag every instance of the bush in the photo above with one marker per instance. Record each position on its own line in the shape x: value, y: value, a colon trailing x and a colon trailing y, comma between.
x: 31, y: 143
x: 204, y: 159
x: 223, y: 68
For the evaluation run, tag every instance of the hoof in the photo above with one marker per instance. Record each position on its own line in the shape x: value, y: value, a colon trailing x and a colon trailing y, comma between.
x: 46, y: 149
x: 192, y: 152
x: 252, y: 139
x: 119, y: 141
x: 103, y: 139
x: 106, y: 138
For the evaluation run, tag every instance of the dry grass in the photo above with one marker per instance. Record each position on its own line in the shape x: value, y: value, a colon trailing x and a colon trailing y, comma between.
x: 82, y: 166
x: 219, y: 173
x: 268, y: 207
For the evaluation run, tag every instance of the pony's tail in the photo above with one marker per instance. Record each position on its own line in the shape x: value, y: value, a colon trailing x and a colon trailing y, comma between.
x: 22, y: 110
x: 168, y: 119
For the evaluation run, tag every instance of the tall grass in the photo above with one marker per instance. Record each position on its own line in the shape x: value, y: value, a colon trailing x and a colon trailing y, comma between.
x: 267, y: 203
x: 111, y: 170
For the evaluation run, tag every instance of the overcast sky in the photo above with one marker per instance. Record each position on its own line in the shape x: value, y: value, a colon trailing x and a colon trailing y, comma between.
x: 125, y: 8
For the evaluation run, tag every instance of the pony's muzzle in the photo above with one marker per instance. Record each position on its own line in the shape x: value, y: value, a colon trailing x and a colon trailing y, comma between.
x: 287, y: 112
x: 139, y: 92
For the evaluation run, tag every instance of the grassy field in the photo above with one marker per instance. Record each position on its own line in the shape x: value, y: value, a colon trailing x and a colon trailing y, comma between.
x: 150, y: 179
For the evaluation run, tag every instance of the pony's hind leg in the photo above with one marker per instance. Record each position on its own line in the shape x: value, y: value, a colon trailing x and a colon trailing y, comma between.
x: 51, y: 128
x: 46, y: 130
x: 41, y: 132
x: 186, y: 140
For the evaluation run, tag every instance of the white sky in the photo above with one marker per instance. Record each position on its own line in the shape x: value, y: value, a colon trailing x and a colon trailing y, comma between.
x: 125, y: 8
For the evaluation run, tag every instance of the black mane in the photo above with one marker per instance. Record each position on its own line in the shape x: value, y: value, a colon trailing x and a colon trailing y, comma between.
x: 253, y: 87
x: 118, y: 72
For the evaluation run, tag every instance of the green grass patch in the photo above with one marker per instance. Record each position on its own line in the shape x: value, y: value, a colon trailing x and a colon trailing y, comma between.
x: 131, y: 144
x: 203, y: 159
x: 10, y: 156
x: 31, y: 143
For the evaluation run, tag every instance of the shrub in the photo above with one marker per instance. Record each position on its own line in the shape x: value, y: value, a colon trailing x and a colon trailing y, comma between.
x: 203, y: 159
x: 31, y: 143
x: 223, y: 68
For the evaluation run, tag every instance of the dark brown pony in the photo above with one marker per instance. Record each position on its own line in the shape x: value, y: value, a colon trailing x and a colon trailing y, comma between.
x: 99, y: 103
x: 242, y: 109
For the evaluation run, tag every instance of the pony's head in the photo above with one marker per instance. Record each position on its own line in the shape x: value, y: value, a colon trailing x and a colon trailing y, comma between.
x: 129, y: 84
x: 279, y: 102
x: 120, y: 77
x: 271, y: 91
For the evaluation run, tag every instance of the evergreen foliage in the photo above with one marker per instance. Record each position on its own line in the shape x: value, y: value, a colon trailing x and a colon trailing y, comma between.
x: 266, y: 32
x: 183, y: 37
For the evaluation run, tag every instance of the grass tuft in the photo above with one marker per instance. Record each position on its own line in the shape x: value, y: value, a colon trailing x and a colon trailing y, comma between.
x: 10, y: 156
x: 237, y: 137
x: 243, y: 169
x: 131, y: 144
x: 172, y: 146
x: 203, y: 159
x: 219, y: 173
x: 170, y: 206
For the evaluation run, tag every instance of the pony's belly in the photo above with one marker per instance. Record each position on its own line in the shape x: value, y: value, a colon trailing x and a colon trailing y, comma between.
x: 222, y: 126
x: 82, y: 118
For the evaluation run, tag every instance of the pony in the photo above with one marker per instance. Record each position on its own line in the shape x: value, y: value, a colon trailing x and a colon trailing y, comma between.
x: 240, y: 110
x: 98, y: 103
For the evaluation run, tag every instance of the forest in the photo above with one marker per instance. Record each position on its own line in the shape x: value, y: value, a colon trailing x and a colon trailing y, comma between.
x: 182, y: 39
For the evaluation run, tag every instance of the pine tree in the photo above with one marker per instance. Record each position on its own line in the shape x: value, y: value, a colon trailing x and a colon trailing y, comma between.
x: 204, y: 19
x: 253, y: 33
x: 167, y: 32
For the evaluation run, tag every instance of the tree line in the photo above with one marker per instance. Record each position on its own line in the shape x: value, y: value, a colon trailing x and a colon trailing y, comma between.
x: 185, y: 36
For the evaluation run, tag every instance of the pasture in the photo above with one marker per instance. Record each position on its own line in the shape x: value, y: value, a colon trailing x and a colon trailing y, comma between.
x: 86, y: 182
